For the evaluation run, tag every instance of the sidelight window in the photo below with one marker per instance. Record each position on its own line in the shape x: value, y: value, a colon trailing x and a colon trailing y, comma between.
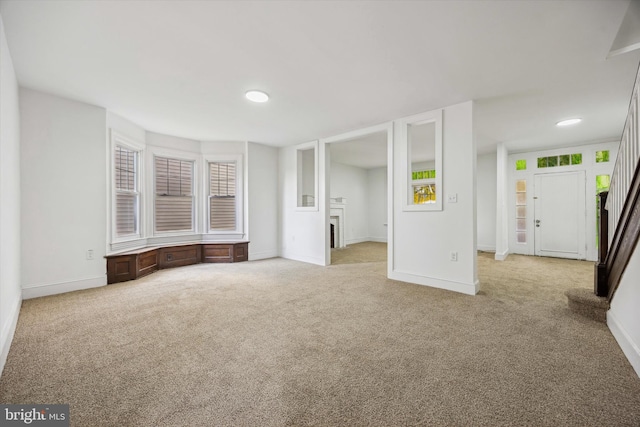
x: 521, y: 211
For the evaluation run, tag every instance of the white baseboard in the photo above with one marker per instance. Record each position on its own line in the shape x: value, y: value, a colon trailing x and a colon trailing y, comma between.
x: 36, y: 291
x: 354, y: 241
x: 304, y: 258
x: 486, y: 248
x: 8, y: 330
x: 365, y: 239
x: 254, y: 256
x: 464, y: 288
x: 378, y: 239
x: 502, y: 255
x: 629, y: 348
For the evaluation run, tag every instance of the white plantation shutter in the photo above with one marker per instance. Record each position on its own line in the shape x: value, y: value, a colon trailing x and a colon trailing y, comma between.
x: 222, y: 196
x: 127, y: 195
x: 126, y: 209
x: 174, y: 194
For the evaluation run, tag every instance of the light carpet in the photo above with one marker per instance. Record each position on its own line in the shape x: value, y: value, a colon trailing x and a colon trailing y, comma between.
x: 283, y: 343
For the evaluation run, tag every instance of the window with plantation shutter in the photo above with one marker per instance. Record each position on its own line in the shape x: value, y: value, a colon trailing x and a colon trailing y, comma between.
x: 174, y: 195
x: 127, y: 197
x: 222, y: 196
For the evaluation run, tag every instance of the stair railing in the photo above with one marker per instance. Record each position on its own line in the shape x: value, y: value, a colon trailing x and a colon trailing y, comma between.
x: 622, y: 203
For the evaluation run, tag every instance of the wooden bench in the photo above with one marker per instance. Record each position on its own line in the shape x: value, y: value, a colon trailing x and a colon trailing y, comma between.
x: 138, y: 263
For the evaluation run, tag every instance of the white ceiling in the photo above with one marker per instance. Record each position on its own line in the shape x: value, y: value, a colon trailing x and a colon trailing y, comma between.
x: 365, y: 152
x: 182, y: 67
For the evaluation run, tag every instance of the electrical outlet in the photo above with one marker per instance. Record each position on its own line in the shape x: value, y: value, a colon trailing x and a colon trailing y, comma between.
x: 90, y: 254
x: 453, y: 256
x: 453, y: 198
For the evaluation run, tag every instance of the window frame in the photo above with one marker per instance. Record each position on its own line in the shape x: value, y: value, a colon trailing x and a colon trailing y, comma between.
x: 238, y: 231
x: 407, y: 166
x: 183, y: 158
x: 119, y: 140
x: 313, y: 145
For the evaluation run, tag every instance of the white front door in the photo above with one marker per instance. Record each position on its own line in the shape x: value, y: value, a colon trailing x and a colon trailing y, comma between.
x: 559, y: 221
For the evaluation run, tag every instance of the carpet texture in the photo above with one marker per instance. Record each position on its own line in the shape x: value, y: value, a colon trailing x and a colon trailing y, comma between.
x: 283, y: 343
x: 359, y: 253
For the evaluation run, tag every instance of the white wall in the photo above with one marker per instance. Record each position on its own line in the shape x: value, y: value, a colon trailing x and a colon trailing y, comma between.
x: 304, y: 232
x: 623, y: 318
x: 172, y: 142
x: 125, y: 127
x: 377, y: 179
x: 352, y: 183
x: 486, y: 181
x: 423, y: 240
x: 10, y: 292
x: 63, y: 186
x: 263, y: 232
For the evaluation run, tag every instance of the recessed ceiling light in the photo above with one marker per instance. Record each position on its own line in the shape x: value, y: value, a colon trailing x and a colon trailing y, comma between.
x: 568, y: 122
x: 257, y: 96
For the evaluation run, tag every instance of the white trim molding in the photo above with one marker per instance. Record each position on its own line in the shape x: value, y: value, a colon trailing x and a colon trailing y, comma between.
x: 241, y: 216
x: 43, y: 290
x: 8, y: 331
x: 629, y: 348
x: 113, y: 241
x: 464, y: 288
x: 255, y: 256
x: 501, y: 256
x: 387, y: 128
x: 300, y: 205
x: 434, y: 117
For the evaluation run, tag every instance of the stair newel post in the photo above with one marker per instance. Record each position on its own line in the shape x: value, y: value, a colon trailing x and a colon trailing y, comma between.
x: 600, y: 285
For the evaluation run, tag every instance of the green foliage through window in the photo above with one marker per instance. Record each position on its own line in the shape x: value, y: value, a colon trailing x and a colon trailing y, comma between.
x: 602, y: 183
x: 562, y: 160
x: 602, y: 156
x: 576, y: 159
x: 428, y: 174
x: 521, y: 165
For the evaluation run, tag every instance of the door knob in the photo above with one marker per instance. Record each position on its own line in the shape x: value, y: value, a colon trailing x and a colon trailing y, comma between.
x: 537, y: 223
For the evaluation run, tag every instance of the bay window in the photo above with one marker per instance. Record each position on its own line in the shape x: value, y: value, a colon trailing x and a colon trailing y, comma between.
x: 173, y: 210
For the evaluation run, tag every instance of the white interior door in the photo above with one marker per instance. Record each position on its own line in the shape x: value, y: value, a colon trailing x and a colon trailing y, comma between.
x: 559, y: 221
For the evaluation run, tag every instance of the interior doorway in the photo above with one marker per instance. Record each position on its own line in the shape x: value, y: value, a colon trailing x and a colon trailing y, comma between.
x: 560, y: 215
x: 358, y: 196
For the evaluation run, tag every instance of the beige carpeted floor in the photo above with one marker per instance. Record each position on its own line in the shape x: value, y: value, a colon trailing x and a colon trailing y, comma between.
x: 359, y: 253
x: 279, y: 343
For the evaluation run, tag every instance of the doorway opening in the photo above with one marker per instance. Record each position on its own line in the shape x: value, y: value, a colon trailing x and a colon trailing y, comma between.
x: 358, y: 197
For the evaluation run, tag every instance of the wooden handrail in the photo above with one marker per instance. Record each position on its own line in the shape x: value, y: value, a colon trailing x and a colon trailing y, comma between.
x: 625, y: 237
x: 622, y: 204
